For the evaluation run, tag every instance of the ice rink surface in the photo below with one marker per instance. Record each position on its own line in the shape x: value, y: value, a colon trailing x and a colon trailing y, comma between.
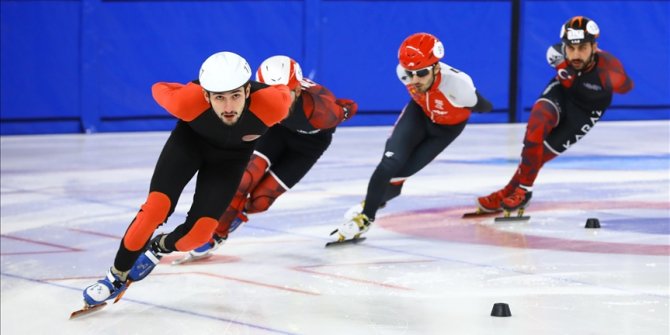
x: 67, y: 200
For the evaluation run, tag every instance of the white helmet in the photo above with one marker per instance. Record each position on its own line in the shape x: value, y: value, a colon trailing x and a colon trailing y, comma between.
x: 280, y: 70
x: 224, y: 71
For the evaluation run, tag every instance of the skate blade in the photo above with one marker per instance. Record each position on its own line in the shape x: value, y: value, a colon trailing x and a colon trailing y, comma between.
x: 190, y: 259
x: 349, y: 241
x: 87, y: 310
x: 118, y: 297
x: 480, y: 214
x: 511, y: 218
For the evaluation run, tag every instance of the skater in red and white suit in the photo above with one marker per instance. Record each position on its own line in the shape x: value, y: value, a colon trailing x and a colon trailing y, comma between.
x: 569, y: 107
x: 442, y: 99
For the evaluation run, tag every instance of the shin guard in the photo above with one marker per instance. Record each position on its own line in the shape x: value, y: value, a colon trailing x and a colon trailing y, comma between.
x: 198, y: 235
x: 543, y: 117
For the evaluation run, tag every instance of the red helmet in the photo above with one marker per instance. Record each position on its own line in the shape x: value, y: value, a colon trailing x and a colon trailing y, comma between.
x: 420, y: 51
x: 579, y: 29
x: 280, y: 70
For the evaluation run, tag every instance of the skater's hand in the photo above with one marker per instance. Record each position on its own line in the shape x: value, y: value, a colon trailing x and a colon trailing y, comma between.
x: 555, y: 55
x: 349, y: 106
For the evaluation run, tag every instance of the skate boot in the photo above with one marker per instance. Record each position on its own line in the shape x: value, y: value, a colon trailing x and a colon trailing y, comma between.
x: 204, y: 251
x: 357, y: 209
x: 517, y: 201
x: 354, y: 210
x: 353, y: 228
x: 105, y: 289
x: 492, y: 203
x: 149, y: 259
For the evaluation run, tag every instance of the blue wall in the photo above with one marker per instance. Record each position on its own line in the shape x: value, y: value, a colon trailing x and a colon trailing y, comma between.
x: 87, y: 66
x: 637, y: 32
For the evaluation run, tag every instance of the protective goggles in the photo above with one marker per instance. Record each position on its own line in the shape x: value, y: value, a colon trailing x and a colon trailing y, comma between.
x: 419, y: 73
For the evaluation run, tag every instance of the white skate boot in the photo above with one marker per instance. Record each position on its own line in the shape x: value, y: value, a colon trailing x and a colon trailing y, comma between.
x: 351, y: 229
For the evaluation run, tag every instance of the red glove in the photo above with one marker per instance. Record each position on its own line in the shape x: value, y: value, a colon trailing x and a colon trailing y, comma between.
x: 565, y: 74
x: 348, y: 106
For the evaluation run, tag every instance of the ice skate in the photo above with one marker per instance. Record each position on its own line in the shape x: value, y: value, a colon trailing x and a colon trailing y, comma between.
x: 516, y: 202
x: 206, y: 250
x: 96, y: 295
x: 358, y: 209
x: 149, y: 259
x: 351, y: 230
x: 488, y: 205
x: 203, y: 252
x: 354, y: 210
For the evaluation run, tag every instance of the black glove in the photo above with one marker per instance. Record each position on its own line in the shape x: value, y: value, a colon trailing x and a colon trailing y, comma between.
x: 482, y: 105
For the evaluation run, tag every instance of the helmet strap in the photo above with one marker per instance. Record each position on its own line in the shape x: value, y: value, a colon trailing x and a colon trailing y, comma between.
x: 434, y: 75
x: 592, y: 58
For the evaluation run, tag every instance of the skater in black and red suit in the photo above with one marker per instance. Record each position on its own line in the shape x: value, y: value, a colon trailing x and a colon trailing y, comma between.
x: 569, y: 107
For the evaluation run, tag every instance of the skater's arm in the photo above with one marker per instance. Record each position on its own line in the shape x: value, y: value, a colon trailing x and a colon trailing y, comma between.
x: 614, y: 76
x: 482, y: 105
x: 186, y: 102
x: 271, y: 104
x: 323, y: 110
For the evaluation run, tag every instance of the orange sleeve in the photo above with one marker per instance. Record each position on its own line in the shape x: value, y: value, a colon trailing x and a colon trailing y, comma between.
x: 185, y: 102
x: 271, y: 104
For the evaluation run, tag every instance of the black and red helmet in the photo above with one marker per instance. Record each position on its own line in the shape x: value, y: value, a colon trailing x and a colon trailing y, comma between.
x: 579, y: 29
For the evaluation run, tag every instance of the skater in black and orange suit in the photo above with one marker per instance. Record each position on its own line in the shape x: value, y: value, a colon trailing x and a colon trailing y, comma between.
x: 289, y: 149
x: 569, y: 107
x: 221, y: 116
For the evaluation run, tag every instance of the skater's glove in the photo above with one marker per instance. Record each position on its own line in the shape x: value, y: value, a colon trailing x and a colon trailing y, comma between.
x: 555, y: 55
x: 482, y: 105
x: 348, y: 106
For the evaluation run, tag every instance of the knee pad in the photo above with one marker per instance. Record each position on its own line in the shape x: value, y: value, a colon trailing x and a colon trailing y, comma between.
x: 198, y: 235
x: 543, y: 117
x: 545, y: 111
x: 152, y: 214
x: 262, y: 197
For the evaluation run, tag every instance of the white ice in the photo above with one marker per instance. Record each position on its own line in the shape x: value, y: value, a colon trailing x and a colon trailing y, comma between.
x: 67, y: 200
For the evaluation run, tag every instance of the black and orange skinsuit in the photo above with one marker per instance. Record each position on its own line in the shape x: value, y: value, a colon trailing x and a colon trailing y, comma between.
x: 202, y: 143
x: 287, y: 152
x: 566, y: 111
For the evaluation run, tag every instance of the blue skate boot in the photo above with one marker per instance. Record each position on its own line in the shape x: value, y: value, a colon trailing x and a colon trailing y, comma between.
x: 206, y: 250
x: 149, y: 259
x: 105, y: 289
